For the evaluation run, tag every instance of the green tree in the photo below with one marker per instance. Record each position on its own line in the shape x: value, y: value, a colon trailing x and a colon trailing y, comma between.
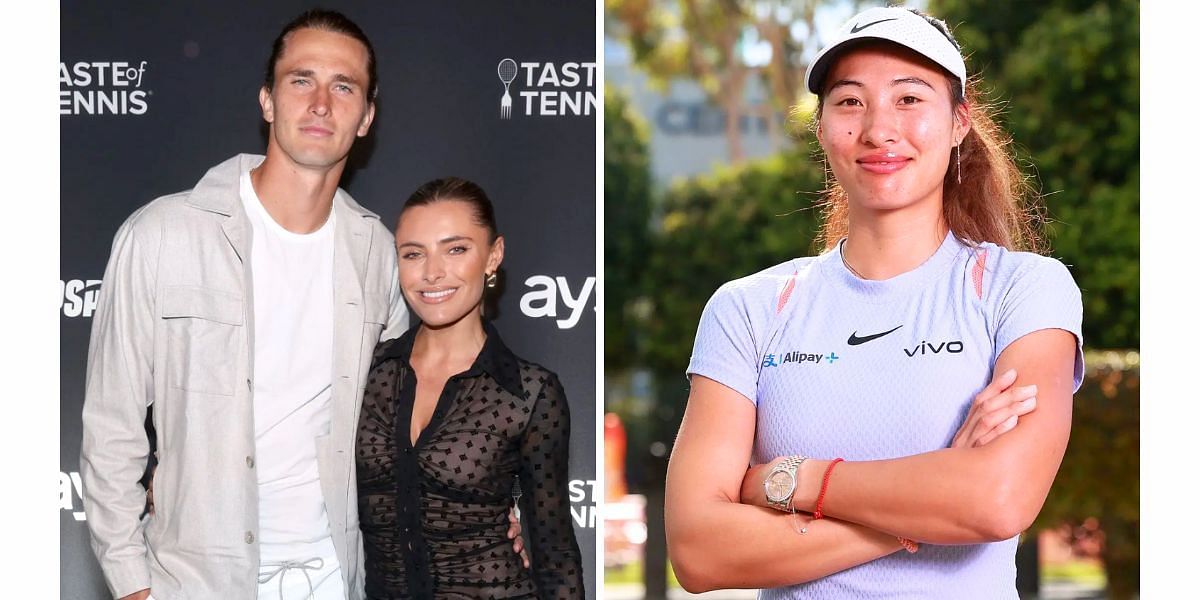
x: 627, y: 206
x: 1099, y: 474
x: 731, y: 224
x: 1067, y: 73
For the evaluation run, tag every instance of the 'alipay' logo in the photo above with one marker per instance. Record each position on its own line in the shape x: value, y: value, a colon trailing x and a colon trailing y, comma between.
x: 547, y: 293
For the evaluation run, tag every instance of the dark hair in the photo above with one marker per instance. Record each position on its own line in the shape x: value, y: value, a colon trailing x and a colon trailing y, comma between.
x: 993, y: 203
x: 455, y: 188
x: 323, y: 20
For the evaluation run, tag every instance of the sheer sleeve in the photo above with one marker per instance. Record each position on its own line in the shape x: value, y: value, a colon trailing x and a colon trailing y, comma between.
x: 557, y: 563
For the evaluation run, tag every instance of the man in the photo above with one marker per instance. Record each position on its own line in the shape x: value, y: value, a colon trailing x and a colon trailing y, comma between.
x: 246, y: 310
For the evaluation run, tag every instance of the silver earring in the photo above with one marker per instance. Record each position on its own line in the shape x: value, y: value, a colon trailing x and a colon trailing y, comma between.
x: 958, y: 160
x: 490, y: 280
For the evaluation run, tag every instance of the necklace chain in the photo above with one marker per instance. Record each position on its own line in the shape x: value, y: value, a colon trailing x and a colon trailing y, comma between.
x: 847, y: 263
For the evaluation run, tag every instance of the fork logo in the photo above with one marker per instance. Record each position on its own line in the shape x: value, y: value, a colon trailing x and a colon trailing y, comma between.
x: 507, y: 70
x: 547, y: 88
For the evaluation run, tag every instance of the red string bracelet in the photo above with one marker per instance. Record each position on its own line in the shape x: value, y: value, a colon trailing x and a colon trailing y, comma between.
x: 908, y: 545
x: 817, y: 514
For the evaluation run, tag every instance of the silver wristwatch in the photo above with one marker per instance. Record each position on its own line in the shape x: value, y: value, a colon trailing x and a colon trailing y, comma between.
x: 780, y: 483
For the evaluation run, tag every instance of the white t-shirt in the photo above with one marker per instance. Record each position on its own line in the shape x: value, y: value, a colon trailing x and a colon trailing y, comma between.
x: 293, y: 376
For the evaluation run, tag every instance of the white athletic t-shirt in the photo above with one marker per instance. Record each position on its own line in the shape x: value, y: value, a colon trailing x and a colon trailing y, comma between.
x: 293, y: 375
x: 838, y: 366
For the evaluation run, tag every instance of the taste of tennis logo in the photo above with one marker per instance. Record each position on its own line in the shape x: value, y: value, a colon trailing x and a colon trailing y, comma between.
x: 102, y: 88
x: 547, y: 89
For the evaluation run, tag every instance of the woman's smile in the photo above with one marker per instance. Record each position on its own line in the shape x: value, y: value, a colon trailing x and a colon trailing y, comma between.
x: 883, y: 162
x: 436, y: 296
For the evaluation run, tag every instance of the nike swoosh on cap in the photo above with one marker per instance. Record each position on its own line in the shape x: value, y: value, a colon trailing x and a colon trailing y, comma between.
x: 858, y: 28
x: 854, y: 340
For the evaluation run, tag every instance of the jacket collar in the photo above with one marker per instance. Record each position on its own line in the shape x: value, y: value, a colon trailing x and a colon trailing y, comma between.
x: 218, y: 190
x: 494, y: 358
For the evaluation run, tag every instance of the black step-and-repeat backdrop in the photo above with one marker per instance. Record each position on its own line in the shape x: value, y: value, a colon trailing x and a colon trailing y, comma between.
x: 153, y: 94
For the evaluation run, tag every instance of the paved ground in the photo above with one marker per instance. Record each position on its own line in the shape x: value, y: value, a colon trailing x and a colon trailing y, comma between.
x: 1050, y: 591
x: 635, y: 592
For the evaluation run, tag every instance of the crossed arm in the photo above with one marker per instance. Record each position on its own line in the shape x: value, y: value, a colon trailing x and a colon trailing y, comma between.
x: 958, y: 495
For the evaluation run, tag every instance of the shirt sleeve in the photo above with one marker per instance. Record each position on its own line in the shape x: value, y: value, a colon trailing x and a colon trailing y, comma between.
x: 118, y: 388
x: 554, y: 552
x: 1042, y: 297
x: 724, y: 350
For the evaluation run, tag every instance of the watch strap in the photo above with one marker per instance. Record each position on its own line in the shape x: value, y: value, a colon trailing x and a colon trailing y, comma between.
x: 791, y: 466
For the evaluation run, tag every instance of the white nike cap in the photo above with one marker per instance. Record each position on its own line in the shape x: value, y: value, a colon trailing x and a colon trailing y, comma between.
x: 894, y: 24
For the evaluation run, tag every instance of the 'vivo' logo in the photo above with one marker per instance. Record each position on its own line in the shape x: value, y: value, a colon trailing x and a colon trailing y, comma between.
x: 926, y: 347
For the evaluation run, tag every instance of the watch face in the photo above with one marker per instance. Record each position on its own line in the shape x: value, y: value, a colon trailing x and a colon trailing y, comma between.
x: 778, y: 485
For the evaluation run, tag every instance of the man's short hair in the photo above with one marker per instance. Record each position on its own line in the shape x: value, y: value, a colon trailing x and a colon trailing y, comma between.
x: 323, y: 20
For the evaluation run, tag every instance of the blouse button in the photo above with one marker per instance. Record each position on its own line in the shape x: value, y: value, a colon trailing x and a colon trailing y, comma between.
x: 249, y: 537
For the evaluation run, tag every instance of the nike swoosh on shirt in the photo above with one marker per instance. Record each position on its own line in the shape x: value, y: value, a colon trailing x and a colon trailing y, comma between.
x: 854, y: 340
x: 858, y: 28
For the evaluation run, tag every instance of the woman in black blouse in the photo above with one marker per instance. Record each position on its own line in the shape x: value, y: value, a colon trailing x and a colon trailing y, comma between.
x: 450, y: 417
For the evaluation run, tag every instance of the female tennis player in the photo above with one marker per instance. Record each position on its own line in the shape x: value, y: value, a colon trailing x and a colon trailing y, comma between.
x: 904, y: 397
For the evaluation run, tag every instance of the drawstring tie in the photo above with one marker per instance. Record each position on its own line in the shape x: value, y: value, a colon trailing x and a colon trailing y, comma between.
x: 281, y: 568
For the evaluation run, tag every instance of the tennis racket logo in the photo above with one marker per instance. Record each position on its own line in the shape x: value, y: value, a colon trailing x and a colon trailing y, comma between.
x: 507, y: 70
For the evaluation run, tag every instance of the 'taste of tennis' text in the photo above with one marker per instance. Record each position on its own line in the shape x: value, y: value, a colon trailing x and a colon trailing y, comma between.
x: 565, y: 89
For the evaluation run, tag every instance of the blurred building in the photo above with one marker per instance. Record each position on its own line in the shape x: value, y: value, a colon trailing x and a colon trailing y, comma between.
x: 687, y: 131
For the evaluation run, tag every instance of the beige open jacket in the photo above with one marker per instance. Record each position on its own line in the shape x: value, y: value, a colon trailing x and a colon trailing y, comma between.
x: 173, y: 327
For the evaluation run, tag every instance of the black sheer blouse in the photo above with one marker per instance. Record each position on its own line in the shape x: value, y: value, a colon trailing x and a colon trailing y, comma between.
x: 434, y: 516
